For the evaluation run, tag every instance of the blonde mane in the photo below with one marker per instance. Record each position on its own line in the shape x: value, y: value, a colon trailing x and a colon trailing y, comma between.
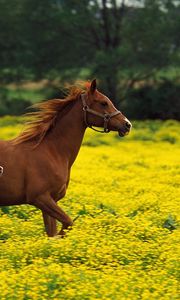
x: 41, y: 121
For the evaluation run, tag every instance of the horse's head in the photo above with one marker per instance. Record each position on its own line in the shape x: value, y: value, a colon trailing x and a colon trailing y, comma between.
x: 99, y: 111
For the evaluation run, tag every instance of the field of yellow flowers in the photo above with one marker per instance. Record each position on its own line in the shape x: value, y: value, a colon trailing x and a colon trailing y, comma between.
x: 125, y: 244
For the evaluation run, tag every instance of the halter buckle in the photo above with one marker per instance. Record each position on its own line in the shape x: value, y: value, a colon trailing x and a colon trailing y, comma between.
x: 107, y: 117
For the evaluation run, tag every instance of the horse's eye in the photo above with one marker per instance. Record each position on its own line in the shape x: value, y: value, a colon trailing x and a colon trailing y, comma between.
x: 104, y: 104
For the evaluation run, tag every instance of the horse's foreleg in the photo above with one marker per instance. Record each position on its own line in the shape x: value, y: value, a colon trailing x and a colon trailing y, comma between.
x: 49, y: 206
x: 50, y: 224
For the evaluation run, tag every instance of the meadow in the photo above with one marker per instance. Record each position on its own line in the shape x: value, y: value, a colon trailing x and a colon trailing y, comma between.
x: 125, y: 243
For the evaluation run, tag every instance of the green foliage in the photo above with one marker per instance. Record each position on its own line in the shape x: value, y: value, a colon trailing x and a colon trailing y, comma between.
x: 14, y: 106
x: 119, y: 42
x: 158, y: 101
x: 154, y: 100
x: 16, y: 100
x: 103, y: 35
x: 170, y: 223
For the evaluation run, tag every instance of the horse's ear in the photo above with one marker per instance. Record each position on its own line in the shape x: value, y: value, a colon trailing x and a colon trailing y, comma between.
x: 93, y: 86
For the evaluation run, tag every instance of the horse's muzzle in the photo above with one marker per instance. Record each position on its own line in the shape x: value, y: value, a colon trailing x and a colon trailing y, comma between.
x: 124, y: 130
x: 123, y: 133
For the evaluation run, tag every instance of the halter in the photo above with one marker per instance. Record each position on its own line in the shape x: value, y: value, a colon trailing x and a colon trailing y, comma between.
x: 105, y: 116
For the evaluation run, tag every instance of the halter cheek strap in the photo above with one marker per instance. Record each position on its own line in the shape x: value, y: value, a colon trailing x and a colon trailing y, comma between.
x: 106, y: 116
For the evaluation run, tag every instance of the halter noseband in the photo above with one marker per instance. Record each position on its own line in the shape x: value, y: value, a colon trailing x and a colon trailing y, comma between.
x: 105, y: 116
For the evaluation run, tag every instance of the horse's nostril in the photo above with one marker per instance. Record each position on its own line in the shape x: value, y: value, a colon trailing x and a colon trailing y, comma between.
x: 128, y: 125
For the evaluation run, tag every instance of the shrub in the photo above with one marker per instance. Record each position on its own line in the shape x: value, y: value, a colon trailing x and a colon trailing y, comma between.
x: 160, y: 101
x: 12, y: 106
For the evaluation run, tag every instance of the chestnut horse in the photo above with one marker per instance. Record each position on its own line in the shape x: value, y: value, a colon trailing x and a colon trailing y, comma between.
x: 35, y: 166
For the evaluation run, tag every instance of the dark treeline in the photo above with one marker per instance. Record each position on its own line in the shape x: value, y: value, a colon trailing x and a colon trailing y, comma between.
x: 132, y: 47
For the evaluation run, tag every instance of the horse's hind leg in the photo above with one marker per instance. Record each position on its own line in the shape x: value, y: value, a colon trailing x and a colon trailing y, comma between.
x: 50, y: 224
x: 49, y: 206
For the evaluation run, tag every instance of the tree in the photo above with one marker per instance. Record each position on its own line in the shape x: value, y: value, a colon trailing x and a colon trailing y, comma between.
x: 10, y: 36
x: 118, y: 42
x: 128, y: 43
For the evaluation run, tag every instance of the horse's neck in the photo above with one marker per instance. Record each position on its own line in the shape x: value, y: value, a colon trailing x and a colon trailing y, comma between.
x: 68, y: 133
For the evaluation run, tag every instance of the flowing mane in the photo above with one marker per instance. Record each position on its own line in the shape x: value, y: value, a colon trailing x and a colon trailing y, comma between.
x: 41, y: 121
